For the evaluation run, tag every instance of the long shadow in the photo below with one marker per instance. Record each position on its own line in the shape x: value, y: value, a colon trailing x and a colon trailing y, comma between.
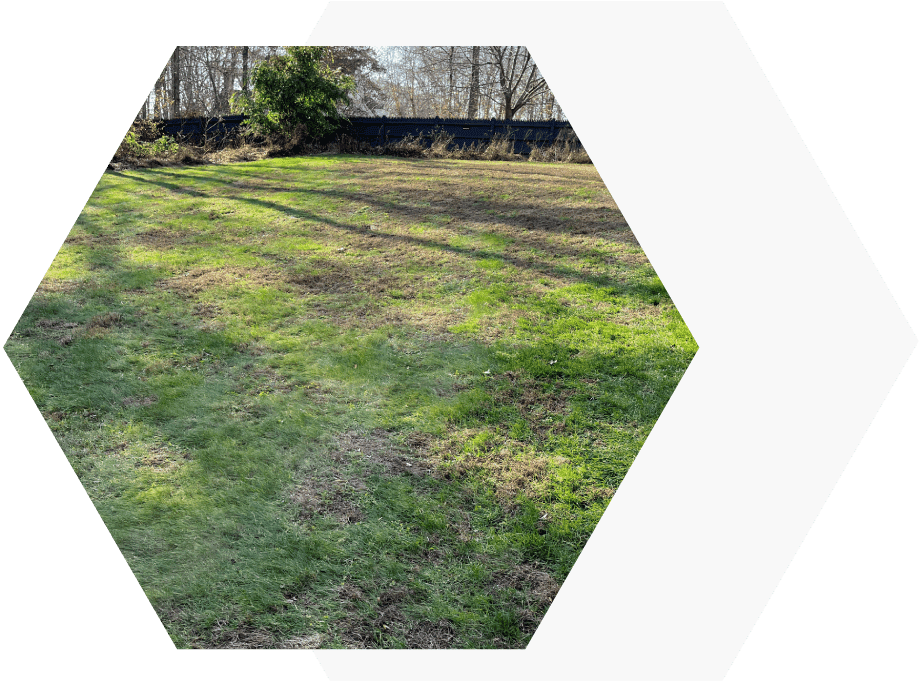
x: 571, y: 274
x: 597, y: 217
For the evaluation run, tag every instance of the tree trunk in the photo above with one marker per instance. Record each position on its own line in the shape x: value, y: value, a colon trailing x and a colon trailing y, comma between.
x: 175, y: 84
x: 245, y: 83
x: 159, y: 91
x: 473, y: 107
x: 229, y: 78
x: 450, y: 84
x: 215, y: 91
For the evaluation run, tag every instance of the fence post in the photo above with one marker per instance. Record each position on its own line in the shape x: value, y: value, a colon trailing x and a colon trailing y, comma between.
x: 552, y: 132
x: 380, y: 134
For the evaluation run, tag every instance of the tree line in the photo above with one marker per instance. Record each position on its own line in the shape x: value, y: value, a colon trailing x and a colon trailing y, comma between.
x: 501, y: 82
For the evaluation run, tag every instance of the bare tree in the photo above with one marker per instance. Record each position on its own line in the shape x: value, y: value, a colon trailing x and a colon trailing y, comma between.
x: 363, y: 66
x: 201, y: 80
x: 520, y: 83
x: 159, y: 96
x: 422, y: 81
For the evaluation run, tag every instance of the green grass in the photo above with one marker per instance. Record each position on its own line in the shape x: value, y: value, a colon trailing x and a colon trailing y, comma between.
x: 340, y: 402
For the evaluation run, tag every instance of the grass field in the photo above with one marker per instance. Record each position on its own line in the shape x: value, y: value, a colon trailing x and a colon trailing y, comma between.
x: 344, y: 401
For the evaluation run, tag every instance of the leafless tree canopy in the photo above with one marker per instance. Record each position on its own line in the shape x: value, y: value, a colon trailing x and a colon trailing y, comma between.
x: 465, y: 82
x: 501, y: 82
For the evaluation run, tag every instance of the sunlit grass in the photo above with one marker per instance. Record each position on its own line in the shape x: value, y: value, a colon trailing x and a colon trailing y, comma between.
x: 365, y: 402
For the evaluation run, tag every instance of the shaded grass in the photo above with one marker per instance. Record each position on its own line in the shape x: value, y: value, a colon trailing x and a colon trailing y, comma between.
x: 351, y: 402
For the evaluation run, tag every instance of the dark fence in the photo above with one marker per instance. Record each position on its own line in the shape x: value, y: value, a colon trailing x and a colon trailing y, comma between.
x: 199, y: 130
x: 379, y: 131
x: 464, y: 132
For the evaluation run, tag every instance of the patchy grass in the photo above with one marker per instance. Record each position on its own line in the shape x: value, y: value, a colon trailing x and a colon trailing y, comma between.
x: 349, y: 401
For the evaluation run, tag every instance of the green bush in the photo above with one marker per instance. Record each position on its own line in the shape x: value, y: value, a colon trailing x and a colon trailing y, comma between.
x: 294, y: 91
x: 163, y: 146
x: 142, y: 143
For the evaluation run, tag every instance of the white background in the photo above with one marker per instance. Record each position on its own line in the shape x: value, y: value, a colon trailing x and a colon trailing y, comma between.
x: 714, y: 179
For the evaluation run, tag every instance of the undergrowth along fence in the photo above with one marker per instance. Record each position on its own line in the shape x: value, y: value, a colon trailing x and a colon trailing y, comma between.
x: 381, y: 130
x: 201, y: 129
x: 524, y: 135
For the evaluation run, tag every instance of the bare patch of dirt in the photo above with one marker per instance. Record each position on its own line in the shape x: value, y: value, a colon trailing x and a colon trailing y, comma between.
x: 628, y: 316
x: 302, y: 642
x: 106, y: 320
x: 418, y: 440
x: 268, y: 380
x: 160, y: 458
x: 241, y: 637
x: 331, y: 499
x: 543, y: 410
x: 91, y: 240
x: 100, y: 324
x: 512, y: 475
x: 157, y: 462
x: 325, y: 282
x: 513, y: 467
x: 539, y: 587
x: 377, y: 447
x: 206, y: 311
x: 252, y: 347
x: 249, y: 637
x: 367, y: 632
x: 354, y: 457
x: 200, y: 279
x: 435, y: 320
x: 394, y: 595
x: 139, y: 401
x: 430, y: 635
x: 55, y: 324
x: 351, y: 593
x: 159, y: 238
x: 54, y: 328
x: 391, y: 620
x: 66, y: 332
x: 49, y: 285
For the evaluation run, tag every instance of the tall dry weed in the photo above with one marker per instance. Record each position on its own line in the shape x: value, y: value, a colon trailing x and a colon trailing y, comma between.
x: 439, y: 144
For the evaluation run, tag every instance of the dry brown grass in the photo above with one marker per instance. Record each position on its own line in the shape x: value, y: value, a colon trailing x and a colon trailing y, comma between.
x: 513, y: 469
x: 332, y: 499
x: 379, y: 451
x: 66, y: 332
x: 197, y: 280
x: 389, y: 619
x: 245, y: 637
